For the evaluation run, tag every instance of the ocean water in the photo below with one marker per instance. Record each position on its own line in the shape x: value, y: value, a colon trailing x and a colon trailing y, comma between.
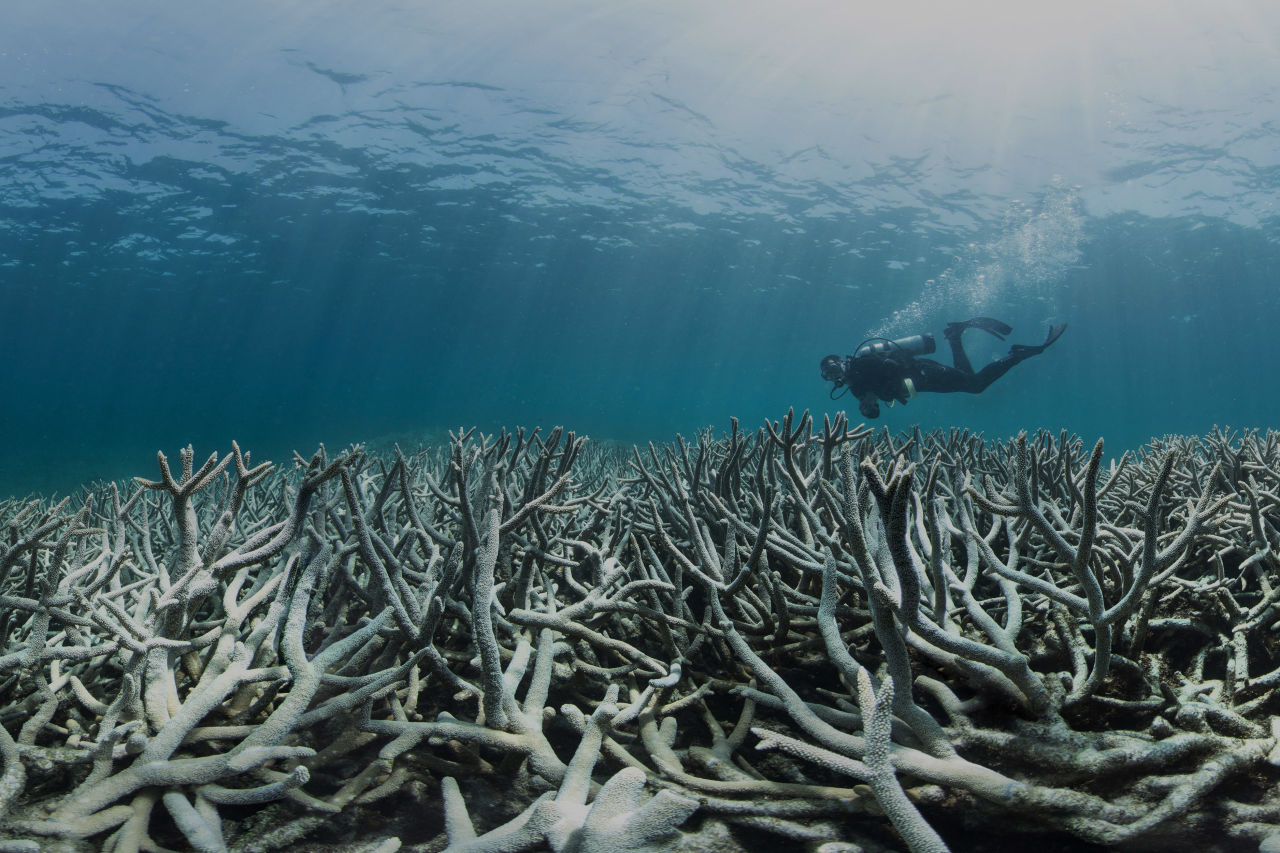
x: 285, y: 223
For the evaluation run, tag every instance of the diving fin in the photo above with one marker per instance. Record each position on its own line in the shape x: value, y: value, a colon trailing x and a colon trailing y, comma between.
x: 1021, y: 351
x: 991, y: 326
x: 986, y: 324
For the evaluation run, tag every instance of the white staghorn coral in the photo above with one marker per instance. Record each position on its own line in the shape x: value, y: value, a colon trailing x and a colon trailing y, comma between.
x: 927, y: 638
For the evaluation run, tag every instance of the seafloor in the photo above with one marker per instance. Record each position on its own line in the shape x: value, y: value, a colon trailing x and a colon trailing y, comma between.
x: 800, y: 638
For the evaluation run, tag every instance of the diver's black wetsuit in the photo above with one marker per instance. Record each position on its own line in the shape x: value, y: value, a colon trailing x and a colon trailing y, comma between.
x: 894, y: 374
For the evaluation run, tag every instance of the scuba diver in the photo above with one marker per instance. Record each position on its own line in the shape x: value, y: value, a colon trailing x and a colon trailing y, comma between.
x: 881, y: 369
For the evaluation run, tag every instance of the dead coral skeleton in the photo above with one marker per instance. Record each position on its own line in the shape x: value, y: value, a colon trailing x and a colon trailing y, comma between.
x: 828, y: 637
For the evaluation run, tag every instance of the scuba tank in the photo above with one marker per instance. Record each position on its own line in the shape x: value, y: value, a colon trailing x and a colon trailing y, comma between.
x: 913, y: 345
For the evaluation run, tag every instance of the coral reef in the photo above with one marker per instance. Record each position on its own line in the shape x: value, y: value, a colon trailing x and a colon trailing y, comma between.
x: 825, y: 638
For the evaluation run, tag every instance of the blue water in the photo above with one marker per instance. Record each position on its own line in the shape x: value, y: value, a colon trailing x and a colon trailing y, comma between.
x: 292, y: 222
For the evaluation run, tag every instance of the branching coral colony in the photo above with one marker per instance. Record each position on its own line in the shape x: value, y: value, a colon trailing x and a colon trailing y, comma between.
x: 827, y: 639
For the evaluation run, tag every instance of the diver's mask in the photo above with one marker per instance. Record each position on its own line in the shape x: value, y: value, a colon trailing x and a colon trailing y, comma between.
x: 833, y: 369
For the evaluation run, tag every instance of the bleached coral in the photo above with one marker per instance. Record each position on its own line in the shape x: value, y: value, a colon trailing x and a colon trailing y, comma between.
x: 822, y: 637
